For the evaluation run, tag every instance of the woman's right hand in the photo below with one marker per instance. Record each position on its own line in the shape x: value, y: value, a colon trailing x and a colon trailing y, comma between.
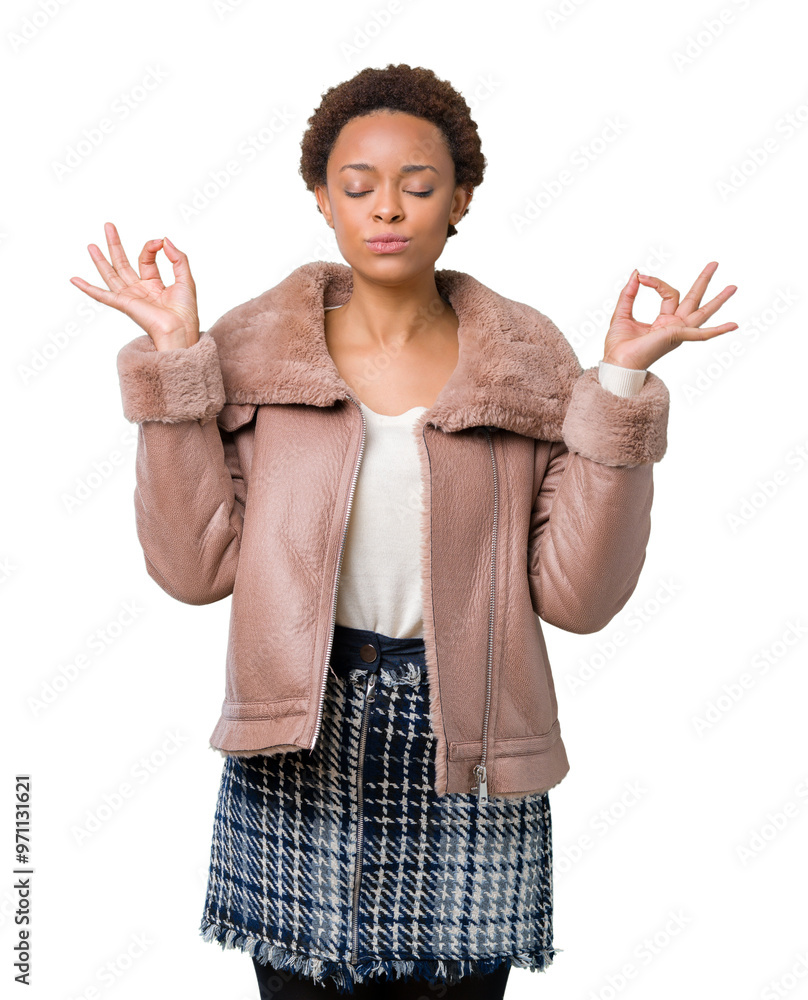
x: 168, y: 315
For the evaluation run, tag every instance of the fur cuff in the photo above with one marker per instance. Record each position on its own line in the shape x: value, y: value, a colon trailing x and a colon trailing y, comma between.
x: 617, y: 430
x: 170, y: 386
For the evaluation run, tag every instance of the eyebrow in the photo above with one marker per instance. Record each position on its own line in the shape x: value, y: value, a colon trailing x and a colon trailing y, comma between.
x: 407, y: 169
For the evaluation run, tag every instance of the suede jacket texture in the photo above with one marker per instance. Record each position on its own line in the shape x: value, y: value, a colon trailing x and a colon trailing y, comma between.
x: 537, y: 492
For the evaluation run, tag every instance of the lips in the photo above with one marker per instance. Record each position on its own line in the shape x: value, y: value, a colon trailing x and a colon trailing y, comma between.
x: 388, y: 238
x: 387, y: 243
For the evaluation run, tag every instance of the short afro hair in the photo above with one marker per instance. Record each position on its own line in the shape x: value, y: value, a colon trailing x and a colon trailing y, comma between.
x: 413, y: 90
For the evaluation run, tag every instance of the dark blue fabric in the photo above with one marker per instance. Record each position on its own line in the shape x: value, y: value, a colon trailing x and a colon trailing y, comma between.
x: 349, y: 641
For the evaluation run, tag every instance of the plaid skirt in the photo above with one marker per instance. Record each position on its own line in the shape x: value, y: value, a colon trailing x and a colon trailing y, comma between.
x: 343, y: 864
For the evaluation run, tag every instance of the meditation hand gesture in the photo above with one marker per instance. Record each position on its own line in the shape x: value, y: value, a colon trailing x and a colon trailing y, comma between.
x: 632, y: 344
x: 168, y: 315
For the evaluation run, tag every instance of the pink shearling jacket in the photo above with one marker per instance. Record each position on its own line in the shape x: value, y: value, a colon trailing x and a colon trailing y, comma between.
x: 537, y: 493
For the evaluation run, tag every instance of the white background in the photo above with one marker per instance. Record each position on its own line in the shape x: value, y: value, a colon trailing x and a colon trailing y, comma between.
x: 660, y: 812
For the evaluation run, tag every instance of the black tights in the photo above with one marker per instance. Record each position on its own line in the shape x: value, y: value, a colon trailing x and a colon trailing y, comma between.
x: 286, y: 985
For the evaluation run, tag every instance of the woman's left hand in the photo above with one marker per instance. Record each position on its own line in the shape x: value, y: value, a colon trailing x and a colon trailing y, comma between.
x: 632, y: 344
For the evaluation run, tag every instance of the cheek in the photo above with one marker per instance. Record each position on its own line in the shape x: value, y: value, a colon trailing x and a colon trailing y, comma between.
x: 432, y: 214
x: 347, y: 218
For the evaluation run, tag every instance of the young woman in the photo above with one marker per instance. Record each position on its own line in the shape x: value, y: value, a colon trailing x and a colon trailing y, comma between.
x: 397, y: 473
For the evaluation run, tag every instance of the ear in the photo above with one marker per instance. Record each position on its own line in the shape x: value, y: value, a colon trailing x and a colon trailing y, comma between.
x: 323, y: 202
x: 460, y: 203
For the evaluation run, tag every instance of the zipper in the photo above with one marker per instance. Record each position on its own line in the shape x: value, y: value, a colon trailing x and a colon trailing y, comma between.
x: 336, y: 578
x: 480, y: 770
x: 370, y: 694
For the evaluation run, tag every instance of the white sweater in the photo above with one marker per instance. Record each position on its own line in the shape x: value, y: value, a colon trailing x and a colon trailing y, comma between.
x: 380, y: 579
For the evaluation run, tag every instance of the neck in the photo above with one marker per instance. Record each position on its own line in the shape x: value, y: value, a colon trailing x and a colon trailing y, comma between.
x: 393, y: 315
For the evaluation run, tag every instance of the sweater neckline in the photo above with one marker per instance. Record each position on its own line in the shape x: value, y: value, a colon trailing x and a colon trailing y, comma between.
x: 386, y: 418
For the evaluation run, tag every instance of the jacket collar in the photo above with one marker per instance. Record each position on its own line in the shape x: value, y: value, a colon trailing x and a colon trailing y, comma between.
x: 515, y: 368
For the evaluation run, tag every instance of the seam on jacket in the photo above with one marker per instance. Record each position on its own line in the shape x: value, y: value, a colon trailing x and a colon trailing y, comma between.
x: 263, y: 701
x: 318, y: 679
x: 226, y: 483
x: 431, y: 587
x: 502, y: 579
x: 547, y: 526
x: 262, y: 718
x: 469, y: 749
x: 224, y: 474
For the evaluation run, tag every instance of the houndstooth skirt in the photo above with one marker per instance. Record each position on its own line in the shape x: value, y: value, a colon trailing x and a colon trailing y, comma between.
x: 342, y: 864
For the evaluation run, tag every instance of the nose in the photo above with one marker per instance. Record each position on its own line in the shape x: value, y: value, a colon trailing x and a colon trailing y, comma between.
x: 388, y: 215
x: 387, y: 206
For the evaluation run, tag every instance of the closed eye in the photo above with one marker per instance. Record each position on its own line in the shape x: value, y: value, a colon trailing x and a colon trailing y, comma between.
x: 418, y: 194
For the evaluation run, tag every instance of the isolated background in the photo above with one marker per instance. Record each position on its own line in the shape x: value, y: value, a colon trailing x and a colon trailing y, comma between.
x: 679, y: 849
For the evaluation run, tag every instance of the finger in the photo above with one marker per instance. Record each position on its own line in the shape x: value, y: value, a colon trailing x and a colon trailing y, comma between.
x: 99, y: 294
x: 693, y: 297
x: 179, y: 261
x: 670, y: 296
x: 659, y: 342
x: 105, y: 269
x: 147, y: 261
x: 700, y: 315
x: 672, y: 336
x: 117, y: 255
x: 705, y: 332
x: 625, y: 301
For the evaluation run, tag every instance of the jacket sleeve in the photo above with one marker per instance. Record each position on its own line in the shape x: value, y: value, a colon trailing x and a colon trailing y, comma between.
x: 591, y: 518
x: 189, y: 502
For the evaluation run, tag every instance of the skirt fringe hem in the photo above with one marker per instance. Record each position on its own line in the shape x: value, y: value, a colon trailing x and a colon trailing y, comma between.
x: 346, y: 975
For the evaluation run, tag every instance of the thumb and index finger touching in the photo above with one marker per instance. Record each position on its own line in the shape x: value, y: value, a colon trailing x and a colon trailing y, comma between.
x: 179, y: 262
x: 624, y: 309
x: 120, y: 272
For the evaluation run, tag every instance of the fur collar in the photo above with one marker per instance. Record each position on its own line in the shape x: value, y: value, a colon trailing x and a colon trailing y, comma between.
x: 515, y: 368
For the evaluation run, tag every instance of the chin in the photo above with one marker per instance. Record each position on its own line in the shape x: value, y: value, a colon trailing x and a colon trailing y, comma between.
x: 394, y: 266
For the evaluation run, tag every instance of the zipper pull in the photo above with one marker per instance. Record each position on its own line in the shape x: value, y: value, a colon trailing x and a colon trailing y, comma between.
x: 481, y: 788
x: 371, y: 687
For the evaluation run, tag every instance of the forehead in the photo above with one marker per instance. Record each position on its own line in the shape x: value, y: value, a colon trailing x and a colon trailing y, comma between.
x: 386, y: 139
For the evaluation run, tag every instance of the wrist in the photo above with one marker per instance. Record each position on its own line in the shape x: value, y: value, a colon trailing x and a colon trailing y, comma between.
x: 177, y: 340
x: 607, y: 360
